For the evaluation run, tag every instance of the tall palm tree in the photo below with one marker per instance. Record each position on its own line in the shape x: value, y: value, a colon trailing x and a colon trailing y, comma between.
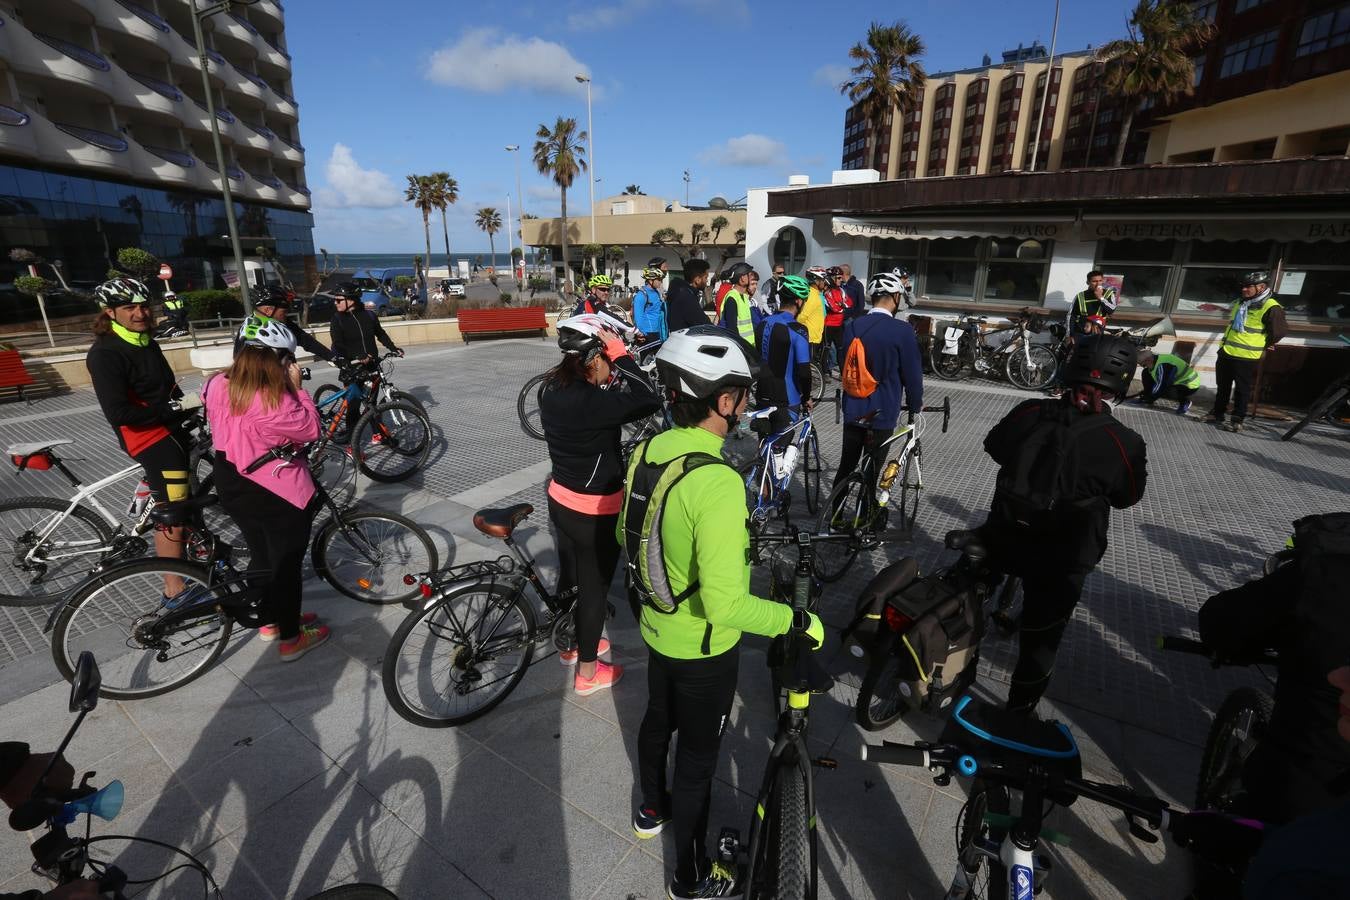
x: 633, y: 189
x: 559, y: 154
x: 887, y: 75
x: 489, y: 220
x: 447, y: 192
x: 1155, y: 61
x: 421, y: 193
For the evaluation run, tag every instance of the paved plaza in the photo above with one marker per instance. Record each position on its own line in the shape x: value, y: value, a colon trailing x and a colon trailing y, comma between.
x: 287, y: 779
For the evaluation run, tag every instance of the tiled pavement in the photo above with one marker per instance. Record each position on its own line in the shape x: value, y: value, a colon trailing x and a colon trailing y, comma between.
x: 288, y: 779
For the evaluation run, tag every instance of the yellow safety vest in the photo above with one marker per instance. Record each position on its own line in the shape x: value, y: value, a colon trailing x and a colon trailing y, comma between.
x: 1186, y: 376
x: 745, y: 326
x: 1249, y: 343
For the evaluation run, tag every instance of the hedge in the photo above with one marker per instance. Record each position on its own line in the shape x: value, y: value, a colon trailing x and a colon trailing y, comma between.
x: 210, y: 303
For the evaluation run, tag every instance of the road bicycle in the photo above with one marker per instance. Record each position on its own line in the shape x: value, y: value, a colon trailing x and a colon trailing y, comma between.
x: 768, y: 479
x: 1332, y: 405
x: 861, y: 502
x: 389, y: 442
x: 151, y: 646
x: 997, y: 843
x: 781, y: 851
x: 377, y: 385
x: 965, y: 346
x: 527, y: 401
x: 473, y: 630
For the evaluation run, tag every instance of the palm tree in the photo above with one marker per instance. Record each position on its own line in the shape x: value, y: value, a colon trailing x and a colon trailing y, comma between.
x: 887, y: 76
x: 1155, y: 62
x: 558, y: 154
x: 447, y: 192
x: 421, y: 193
x: 633, y: 189
x: 489, y: 220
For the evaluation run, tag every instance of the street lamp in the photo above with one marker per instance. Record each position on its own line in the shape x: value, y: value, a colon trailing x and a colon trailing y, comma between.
x: 686, y: 187
x: 520, y: 211
x: 590, y: 135
x: 198, y: 15
x: 1045, y: 94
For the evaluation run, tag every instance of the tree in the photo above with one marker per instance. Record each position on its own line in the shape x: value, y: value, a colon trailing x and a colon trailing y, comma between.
x: 558, y: 153
x: 615, y: 256
x: 489, y: 220
x: 669, y: 237
x: 421, y: 193
x: 446, y: 191
x: 138, y: 263
x: 593, y: 252
x: 887, y: 75
x: 1154, y: 63
x: 634, y: 189
x: 717, y: 225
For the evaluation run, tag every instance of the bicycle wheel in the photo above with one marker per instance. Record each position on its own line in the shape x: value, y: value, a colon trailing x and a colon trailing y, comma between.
x: 983, y: 817
x: 1324, y: 406
x: 789, y: 836
x: 811, y: 472
x: 391, y: 442
x: 366, y: 556
x: 949, y: 365
x: 114, y: 616
x: 322, y: 393
x: 456, y: 659
x: 527, y: 407
x: 405, y: 397
x: 334, y: 470
x: 879, y: 702
x: 356, y: 892
x: 1238, y: 727
x: 36, y: 572
x: 1032, y: 367
x: 910, y: 486
x: 817, y: 382
x: 846, y: 509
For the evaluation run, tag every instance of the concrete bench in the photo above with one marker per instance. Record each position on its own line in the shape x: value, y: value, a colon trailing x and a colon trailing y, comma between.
x: 502, y: 322
x: 13, y: 373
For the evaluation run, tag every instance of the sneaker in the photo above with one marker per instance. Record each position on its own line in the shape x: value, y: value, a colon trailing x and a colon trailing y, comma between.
x: 606, y: 676
x: 1213, y: 419
x: 1138, y: 401
x: 272, y: 632
x: 1234, y: 427
x: 720, y: 882
x: 569, y: 657
x: 186, y: 597
x: 647, y: 822
x: 1183, y: 407
x: 310, y: 637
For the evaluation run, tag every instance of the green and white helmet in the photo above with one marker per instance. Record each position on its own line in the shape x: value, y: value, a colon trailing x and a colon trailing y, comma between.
x: 123, y: 291
x: 260, y: 331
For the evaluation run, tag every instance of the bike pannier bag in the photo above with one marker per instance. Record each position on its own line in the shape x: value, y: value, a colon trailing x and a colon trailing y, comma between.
x: 863, y: 633
x: 940, y: 650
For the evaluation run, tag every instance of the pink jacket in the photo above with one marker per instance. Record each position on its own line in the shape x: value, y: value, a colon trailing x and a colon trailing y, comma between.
x: 245, y: 438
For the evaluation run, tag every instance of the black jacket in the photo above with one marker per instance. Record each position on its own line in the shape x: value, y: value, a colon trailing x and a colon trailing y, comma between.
x: 353, y: 334
x: 583, y: 427
x: 683, y: 306
x: 854, y: 288
x: 1110, y: 470
x: 134, y: 385
x: 302, y: 337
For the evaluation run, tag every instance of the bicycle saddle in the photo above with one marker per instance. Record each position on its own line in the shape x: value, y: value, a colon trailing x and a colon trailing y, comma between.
x: 968, y: 542
x: 499, y: 523
x: 178, y: 512
x: 36, y: 447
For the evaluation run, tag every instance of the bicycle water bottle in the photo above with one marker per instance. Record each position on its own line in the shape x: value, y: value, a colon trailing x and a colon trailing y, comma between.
x: 785, y: 463
x: 885, y: 481
x: 139, y: 500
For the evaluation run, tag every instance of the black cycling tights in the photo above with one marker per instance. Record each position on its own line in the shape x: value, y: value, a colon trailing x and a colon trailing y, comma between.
x: 1048, y: 601
x: 856, y: 439
x: 588, y: 551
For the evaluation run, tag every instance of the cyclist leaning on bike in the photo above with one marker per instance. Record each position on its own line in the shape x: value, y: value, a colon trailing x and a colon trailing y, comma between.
x: 275, y: 304
x: 352, y: 333
x: 786, y: 381
x: 582, y: 422
x: 892, y: 353
x: 136, y: 390
x: 703, y: 558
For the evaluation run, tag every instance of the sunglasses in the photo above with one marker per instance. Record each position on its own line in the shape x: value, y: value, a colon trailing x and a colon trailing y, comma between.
x: 601, y: 290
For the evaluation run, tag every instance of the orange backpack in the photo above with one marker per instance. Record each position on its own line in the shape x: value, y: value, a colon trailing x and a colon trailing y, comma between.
x: 857, y: 379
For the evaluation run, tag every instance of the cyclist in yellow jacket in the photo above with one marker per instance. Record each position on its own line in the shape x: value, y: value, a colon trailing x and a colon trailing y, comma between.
x: 1255, y: 322
x: 812, y: 311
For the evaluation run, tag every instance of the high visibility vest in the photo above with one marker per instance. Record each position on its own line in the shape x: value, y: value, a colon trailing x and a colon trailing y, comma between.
x: 745, y: 325
x: 1186, y: 377
x: 172, y: 303
x: 1249, y: 343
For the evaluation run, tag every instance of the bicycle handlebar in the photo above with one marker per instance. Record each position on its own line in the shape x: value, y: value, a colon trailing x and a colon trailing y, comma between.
x: 1177, y: 644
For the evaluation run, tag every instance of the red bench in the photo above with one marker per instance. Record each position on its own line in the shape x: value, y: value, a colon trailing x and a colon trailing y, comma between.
x: 13, y: 374
x: 502, y: 321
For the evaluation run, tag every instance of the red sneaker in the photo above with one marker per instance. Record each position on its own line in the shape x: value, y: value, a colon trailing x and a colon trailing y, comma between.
x: 569, y: 657
x: 606, y: 676
x: 310, y: 637
x: 271, y: 632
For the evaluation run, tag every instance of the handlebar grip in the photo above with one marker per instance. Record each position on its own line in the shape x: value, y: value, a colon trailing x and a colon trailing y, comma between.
x: 897, y: 754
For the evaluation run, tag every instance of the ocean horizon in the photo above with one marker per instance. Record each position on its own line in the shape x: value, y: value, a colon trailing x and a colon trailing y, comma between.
x: 357, y: 260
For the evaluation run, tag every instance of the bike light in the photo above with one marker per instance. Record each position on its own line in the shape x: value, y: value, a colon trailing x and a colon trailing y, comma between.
x: 363, y: 583
x: 409, y: 580
x: 426, y: 591
x: 896, y: 620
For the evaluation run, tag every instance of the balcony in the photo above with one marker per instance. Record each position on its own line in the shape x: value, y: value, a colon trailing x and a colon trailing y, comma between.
x: 17, y: 136
x: 75, y: 145
x: 132, y: 20
x: 291, y: 152
x: 142, y: 92
x: 274, y: 56
x: 45, y: 56
x: 196, y: 118
x: 296, y: 195
x: 216, y: 67
x: 284, y: 105
x: 271, y: 11
x: 256, y: 137
x: 168, y: 165
x: 268, y: 187
x: 248, y: 84
x: 213, y: 176
x: 238, y: 33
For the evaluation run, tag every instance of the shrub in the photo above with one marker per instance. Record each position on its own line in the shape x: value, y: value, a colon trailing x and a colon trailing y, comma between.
x: 402, y: 282
x: 540, y: 282
x: 137, y: 263
x: 33, y: 285
x: 211, y: 303
x: 443, y: 309
x: 505, y: 296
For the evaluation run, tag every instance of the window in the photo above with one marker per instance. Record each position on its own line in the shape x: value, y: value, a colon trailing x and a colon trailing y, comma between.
x: 1316, y: 281
x: 1255, y: 52
x: 1243, y: 5
x: 1199, y: 63
x: 1205, y: 10
x: 1213, y: 270
x: 1324, y: 31
x: 789, y: 249
x: 1143, y: 267
x: 1017, y: 270
x: 886, y: 254
x: 951, y: 266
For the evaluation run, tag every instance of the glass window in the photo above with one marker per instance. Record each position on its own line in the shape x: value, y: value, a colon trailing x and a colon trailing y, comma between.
x: 1253, y: 254
x: 1244, y: 5
x: 1208, y: 290
x: 1319, y: 253
x: 885, y: 254
x: 951, y: 266
x: 1141, y: 287
x: 1316, y: 293
x: 1205, y: 10
x: 1255, y: 52
x: 1323, y: 31
x: 1135, y: 251
x: 789, y: 249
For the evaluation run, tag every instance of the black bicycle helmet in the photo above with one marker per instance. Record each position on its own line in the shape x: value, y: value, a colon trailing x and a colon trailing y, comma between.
x: 1255, y: 278
x: 1106, y: 361
x: 274, y: 295
x: 346, y: 291
x: 736, y: 272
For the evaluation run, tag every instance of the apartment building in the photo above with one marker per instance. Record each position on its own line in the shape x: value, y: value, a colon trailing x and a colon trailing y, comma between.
x: 105, y: 140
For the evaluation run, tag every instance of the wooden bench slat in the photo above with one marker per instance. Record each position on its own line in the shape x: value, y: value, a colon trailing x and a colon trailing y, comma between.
x: 502, y: 321
x: 13, y: 373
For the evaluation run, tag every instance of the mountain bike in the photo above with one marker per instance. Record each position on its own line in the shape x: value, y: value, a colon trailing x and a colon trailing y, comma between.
x: 861, y: 502
x: 527, y: 401
x: 781, y: 851
x: 1332, y: 405
x: 65, y: 859
x: 768, y: 479
x: 965, y: 345
x: 389, y: 442
x: 472, y: 631
x: 377, y: 385
x: 151, y: 646
x: 1004, y: 753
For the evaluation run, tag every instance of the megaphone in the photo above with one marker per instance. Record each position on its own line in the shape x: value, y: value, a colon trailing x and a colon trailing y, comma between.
x: 1161, y: 328
x: 105, y: 803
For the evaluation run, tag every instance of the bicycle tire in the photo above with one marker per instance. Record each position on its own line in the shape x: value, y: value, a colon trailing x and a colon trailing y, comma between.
x: 1321, y: 407
x: 322, y: 393
x: 950, y: 365
x: 817, y: 382
x: 367, y: 565
x: 790, y: 838
x: 527, y: 407
x: 811, y: 474
x: 879, y: 702
x: 405, y: 397
x: 463, y: 666
x: 843, y: 510
x: 333, y: 470
x: 139, y: 583
x: 403, y: 445
x: 1220, y: 769
x: 13, y: 528
x: 984, y: 799
x: 911, y: 488
x: 1033, y: 375
x: 356, y: 892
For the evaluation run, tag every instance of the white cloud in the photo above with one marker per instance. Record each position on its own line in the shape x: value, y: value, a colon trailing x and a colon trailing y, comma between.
x: 485, y: 60
x: 831, y: 75
x: 747, y: 150
x: 350, y: 185
x: 626, y: 10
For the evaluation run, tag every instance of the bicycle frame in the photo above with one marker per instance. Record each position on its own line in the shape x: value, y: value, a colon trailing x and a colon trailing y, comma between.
x: 767, y: 487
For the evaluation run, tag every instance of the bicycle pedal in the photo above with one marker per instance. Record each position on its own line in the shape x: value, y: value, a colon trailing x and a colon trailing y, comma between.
x: 825, y: 762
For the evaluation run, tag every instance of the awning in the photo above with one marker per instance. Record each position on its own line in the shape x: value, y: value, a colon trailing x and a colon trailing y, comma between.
x: 1040, y: 228
x: 1130, y: 227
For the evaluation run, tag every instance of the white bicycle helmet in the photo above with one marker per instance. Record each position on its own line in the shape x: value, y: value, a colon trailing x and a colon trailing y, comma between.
x: 885, y: 283
x: 580, y: 335
x: 122, y: 291
x: 697, y: 362
x: 260, y: 331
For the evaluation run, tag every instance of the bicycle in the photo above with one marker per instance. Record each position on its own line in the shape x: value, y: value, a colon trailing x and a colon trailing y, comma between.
x: 376, y: 387
x: 965, y: 345
x: 860, y: 503
x: 769, y: 476
x: 472, y: 632
x: 1004, y: 752
x: 120, y: 610
x: 389, y: 442
x: 781, y: 852
x: 1332, y: 405
x: 63, y: 858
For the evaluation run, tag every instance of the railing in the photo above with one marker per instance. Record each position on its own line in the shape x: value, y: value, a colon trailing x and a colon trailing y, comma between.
x: 285, y: 96
x: 248, y: 26
x: 251, y: 77
x: 234, y: 172
x: 275, y: 46
x: 223, y: 115
x: 297, y: 188
x: 145, y: 15
x: 211, y: 54
x: 93, y: 136
x: 260, y: 130
x: 294, y: 145
x: 271, y: 181
x: 11, y: 116
x: 177, y: 157
x: 163, y: 88
x: 75, y: 52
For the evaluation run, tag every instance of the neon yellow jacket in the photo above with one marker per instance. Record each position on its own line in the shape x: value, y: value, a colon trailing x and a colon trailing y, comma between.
x: 812, y: 315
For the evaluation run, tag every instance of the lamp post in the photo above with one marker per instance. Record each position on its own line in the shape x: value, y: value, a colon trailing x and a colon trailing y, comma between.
x: 1045, y: 94
x: 686, y: 187
x: 520, y: 211
x: 510, y: 245
x: 590, y: 136
x: 198, y: 14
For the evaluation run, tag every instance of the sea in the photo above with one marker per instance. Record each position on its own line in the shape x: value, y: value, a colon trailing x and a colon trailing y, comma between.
x: 356, y: 260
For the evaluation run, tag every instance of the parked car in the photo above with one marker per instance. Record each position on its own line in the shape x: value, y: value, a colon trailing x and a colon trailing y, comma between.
x: 377, y: 287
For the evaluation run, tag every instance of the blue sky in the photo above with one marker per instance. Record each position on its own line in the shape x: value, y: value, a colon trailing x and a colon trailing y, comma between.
x: 740, y: 92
